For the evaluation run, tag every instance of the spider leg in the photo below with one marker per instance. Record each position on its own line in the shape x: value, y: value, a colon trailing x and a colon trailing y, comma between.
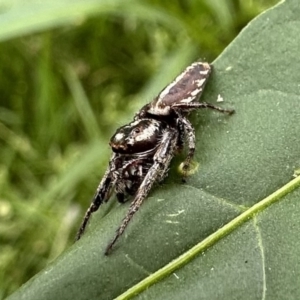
x: 195, y: 105
x: 102, y: 195
x: 162, y: 159
x: 190, y: 136
x: 189, y: 129
x: 181, y: 131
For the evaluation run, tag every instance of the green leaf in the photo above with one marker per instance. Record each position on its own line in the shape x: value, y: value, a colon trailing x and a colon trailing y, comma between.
x: 224, y: 234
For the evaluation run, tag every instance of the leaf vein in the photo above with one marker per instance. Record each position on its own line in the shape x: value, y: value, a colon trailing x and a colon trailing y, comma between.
x: 260, y: 245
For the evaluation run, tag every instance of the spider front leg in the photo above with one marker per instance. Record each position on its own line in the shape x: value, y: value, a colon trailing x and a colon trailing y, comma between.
x: 102, y: 195
x: 162, y: 159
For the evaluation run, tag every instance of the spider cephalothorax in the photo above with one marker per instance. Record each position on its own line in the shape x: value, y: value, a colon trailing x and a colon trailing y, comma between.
x: 143, y: 149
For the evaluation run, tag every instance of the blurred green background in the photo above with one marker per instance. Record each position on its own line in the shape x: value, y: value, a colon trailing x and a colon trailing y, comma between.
x: 64, y: 91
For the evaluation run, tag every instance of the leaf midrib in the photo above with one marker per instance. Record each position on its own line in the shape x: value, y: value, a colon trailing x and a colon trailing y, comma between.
x: 211, y: 240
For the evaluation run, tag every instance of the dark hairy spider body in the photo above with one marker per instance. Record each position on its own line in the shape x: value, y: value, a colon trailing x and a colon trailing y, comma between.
x: 143, y: 149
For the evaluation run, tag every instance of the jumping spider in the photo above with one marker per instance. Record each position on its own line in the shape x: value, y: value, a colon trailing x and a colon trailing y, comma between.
x: 143, y: 149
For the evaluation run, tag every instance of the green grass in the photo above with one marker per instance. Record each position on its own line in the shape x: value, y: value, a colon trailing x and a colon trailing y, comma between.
x: 63, y: 93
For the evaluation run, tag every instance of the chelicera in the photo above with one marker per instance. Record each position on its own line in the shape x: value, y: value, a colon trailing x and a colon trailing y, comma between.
x: 143, y: 149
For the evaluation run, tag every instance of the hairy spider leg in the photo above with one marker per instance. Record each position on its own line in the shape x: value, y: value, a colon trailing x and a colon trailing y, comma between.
x: 189, y: 132
x: 189, y: 129
x: 162, y: 159
x: 102, y: 195
x: 181, y: 131
x: 195, y: 105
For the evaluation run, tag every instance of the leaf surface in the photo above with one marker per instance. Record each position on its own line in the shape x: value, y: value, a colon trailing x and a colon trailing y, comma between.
x: 248, y: 240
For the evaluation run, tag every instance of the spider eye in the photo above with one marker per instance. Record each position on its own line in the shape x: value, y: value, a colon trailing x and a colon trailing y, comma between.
x: 136, y: 130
